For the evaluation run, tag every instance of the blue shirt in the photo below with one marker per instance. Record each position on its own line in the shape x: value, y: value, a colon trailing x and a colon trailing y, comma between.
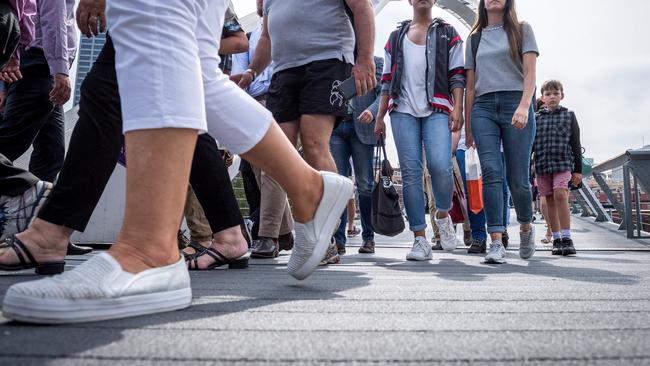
x: 241, y: 61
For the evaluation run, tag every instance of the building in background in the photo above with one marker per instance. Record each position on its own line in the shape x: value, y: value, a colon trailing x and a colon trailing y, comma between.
x: 89, y: 49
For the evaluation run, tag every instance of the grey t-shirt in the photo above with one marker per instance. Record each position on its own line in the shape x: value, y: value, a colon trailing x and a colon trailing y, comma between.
x: 303, y: 31
x: 496, y: 70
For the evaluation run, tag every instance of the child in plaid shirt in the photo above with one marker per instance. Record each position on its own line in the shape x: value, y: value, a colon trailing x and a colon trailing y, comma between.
x: 558, y: 163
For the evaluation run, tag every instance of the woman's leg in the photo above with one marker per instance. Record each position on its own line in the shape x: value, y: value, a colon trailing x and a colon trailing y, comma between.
x: 487, y: 136
x: 407, y: 133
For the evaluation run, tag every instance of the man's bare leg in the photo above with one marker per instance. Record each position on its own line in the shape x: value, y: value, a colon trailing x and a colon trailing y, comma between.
x: 315, y: 133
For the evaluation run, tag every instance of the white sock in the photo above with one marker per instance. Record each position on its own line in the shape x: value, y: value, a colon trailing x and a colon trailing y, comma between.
x: 557, y: 235
x: 566, y: 233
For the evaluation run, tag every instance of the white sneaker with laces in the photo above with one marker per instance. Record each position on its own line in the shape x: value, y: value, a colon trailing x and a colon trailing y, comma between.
x: 447, y: 233
x: 496, y: 254
x: 421, y: 250
x: 17, y: 212
x: 313, y: 238
x: 99, y: 289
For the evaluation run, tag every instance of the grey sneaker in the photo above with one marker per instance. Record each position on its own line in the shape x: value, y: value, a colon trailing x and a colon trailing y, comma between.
x: 17, y: 212
x: 527, y: 243
x: 331, y: 256
x: 421, y: 250
x: 264, y: 248
x: 447, y: 233
x: 497, y: 253
x: 313, y: 238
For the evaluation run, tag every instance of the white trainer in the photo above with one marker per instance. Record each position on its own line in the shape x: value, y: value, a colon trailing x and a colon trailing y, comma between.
x: 421, y: 250
x: 447, y: 233
x: 496, y: 254
x: 99, y: 290
x: 313, y: 238
x: 18, y: 212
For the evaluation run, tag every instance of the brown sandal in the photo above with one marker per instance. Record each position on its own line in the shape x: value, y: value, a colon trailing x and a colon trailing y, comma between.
x: 27, y: 260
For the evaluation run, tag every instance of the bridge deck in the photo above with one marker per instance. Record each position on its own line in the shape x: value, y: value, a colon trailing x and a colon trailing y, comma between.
x: 592, y: 309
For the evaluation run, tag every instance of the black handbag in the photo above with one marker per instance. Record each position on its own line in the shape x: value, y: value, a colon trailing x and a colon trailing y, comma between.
x: 9, y: 32
x: 386, y: 216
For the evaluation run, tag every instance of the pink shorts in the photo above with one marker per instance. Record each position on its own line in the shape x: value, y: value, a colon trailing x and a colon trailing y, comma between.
x: 547, y: 184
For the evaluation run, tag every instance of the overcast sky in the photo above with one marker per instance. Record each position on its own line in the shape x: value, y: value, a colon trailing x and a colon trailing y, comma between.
x: 597, y: 48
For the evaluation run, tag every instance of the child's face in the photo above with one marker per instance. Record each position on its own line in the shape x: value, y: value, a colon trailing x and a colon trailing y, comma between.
x: 552, y: 98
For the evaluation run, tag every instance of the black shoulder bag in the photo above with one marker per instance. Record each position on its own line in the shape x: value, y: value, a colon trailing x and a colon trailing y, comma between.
x: 387, y: 216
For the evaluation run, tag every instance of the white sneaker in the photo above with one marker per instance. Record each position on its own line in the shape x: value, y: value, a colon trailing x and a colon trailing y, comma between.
x: 496, y: 254
x: 17, y: 212
x: 447, y: 233
x: 421, y: 250
x: 99, y: 290
x: 527, y: 243
x: 313, y: 238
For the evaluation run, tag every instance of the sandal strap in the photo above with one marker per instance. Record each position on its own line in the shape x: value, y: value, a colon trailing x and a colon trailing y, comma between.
x: 19, y: 248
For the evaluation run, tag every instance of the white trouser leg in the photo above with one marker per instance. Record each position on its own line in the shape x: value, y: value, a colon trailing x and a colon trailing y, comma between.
x: 234, y: 118
x: 157, y: 62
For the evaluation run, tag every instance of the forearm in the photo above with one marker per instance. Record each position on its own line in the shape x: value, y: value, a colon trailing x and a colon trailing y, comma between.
x: 469, y: 104
x: 262, y: 56
x: 364, y: 28
x: 383, y: 106
x: 458, y: 98
x: 235, y: 43
x: 530, y: 78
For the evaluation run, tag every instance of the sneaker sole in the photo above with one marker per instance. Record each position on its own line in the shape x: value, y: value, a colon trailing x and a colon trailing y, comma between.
x: 61, y: 311
x: 327, y: 230
x: 494, y: 261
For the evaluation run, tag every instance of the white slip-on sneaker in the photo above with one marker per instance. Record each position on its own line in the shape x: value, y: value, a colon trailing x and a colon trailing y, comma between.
x: 99, y: 290
x: 447, y: 233
x: 313, y: 238
x: 18, y: 212
x: 496, y: 254
x: 421, y: 250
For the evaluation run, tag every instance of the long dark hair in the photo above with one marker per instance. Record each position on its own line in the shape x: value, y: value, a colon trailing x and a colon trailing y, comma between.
x: 511, y: 25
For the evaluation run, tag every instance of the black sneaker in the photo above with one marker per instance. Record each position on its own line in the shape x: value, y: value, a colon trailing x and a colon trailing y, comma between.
x: 504, y: 239
x: 478, y: 247
x: 557, y: 247
x: 567, y: 247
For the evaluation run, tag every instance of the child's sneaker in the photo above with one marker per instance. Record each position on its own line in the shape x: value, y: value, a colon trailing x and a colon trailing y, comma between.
x: 567, y: 247
x: 557, y: 247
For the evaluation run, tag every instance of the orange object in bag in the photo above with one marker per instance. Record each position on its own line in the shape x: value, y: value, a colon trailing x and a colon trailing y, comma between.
x: 474, y: 180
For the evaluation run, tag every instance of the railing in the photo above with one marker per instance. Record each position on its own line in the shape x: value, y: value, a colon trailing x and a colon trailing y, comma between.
x: 628, y: 211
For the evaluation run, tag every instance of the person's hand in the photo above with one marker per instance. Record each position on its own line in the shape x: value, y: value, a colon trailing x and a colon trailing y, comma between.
x: 469, y: 140
x: 91, y: 17
x: 364, y: 76
x: 380, y: 127
x: 244, y: 80
x: 520, y: 118
x: 60, y: 93
x: 11, y: 72
x: 3, y: 100
x: 456, y: 120
x: 576, y: 179
x: 366, y: 117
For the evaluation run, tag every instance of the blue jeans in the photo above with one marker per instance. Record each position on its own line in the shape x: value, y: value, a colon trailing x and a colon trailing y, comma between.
x: 410, y: 134
x: 506, y: 194
x: 476, y: 221
x: 492, y: 125
x: 344, y: 144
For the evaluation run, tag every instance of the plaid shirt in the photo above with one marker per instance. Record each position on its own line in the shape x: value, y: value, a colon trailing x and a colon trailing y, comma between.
x: 557, y: 142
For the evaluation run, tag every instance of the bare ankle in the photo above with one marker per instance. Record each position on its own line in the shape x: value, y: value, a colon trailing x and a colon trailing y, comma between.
x: 305, y: 205
x: 46, y: 235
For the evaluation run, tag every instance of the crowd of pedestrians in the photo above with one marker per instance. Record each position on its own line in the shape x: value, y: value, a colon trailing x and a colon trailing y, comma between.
x: 178, y: 88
